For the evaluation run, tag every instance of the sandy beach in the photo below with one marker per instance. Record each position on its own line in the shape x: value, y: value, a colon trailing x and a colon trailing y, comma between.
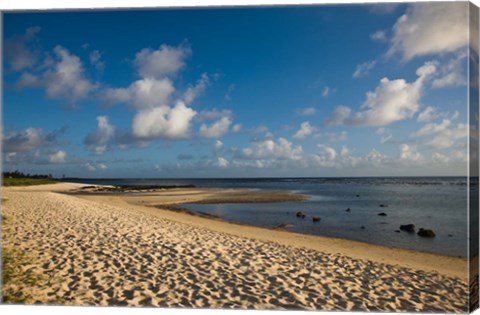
x: 114, y: 249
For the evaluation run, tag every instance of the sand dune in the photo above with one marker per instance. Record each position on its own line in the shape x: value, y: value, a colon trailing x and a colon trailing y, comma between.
x: 92, y: 253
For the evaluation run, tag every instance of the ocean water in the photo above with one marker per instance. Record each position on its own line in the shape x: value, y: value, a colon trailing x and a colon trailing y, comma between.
x: 437, y: 203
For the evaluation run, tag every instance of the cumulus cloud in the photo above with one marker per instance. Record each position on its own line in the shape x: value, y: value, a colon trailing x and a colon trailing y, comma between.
x: 338, y: 117
x: 27, y: 80
x: 143, y: 93
x: 305, y: 130
x: 163, y: 122
x: 217, y: 129
x: 427, y: 115
x: 29, y: 139
x: 429, y: 28
x: 271, y: 149
x: 66, y: 78
x: 409, y: 153
x: 95, y: 167
x: 194, y: 91
x: 393, y: 100
x: 363, y: 69
x: 222, y: 162
x: 326, y: 156
x: 442, y: 135
x: 452, y: 73
x: 163, y: 62
x: 97, y: 141
x: 57, y: 157
x: 19, y: 53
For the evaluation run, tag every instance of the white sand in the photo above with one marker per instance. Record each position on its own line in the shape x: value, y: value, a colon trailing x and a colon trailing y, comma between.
x: 109, y: 252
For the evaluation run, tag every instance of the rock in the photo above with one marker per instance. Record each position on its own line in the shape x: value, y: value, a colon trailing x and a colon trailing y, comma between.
x: 397, y: 231
x: 425, y: 233
x: 410, y: 228
x: 358, y: 195
x: 347, y: 210
x: 362, y: 227
x: 383, y: 214
x: 450, y: 235
x: 316, y: 219
x: 383, y: 206
x: 300, y: 214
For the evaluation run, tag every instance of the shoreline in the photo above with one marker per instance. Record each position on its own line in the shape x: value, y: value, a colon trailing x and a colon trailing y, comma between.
x: 424, y: 260
x: 105, y: 250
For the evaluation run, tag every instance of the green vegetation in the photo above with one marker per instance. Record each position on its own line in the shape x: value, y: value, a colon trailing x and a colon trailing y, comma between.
x: 13, y: 275
x: 26, y: 181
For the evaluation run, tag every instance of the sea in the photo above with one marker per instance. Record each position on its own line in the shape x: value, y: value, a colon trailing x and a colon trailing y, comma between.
x: 436, y: 203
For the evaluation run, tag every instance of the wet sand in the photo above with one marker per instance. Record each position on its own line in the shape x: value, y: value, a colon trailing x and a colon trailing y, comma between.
x: 118, y: 250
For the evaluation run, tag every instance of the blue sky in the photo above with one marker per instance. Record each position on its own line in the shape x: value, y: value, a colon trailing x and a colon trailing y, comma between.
x: 328, y: 90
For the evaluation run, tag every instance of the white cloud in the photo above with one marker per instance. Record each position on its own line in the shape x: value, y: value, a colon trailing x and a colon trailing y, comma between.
x: 434, y: 128
x: 95, y: 167
x: 18, y: 51
x: 307, y: 111
x: 193, y: 92
x: 237, y: 128
x: 326, y: 156
x: 97, y: 140
x: 379, y: 36
x: 427, y: 115
x: 345, y: 152
x: 27, y: 80
x: 144, y: 93
x: 163, y: 122
x: 363, y: 69
x: 305, y: 130
x: 443, y: 135
x: 66, y: 78
x: 217, y: 129
x: 429, y: 28
x: 334, y: 137
x: 385, y: 134
x: 452, y: 73
x: 222, y: 162
x: 271, y: 149
x: 338, y: 117
x: 57, y: 157
x: 218, y: 145
x: 166, y: 61
x: 393, y: 100
x: 409, y: 153
x: 28, y: 139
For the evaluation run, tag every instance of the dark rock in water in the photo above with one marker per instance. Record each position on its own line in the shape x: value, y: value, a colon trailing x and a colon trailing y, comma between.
x: 316, y: 219
x: 450, y: 235
x: 362, y: 227
x: 300, y: 214
x: 410, y: 228
x: 383, y: 206
x: 383, y: 214
x: 347, y: 210
x: 397, y: 231
x: 358, y: 195
x: 426, y: 233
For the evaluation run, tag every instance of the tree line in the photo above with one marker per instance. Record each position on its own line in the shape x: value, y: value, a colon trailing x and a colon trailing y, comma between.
x: 17, y: 174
